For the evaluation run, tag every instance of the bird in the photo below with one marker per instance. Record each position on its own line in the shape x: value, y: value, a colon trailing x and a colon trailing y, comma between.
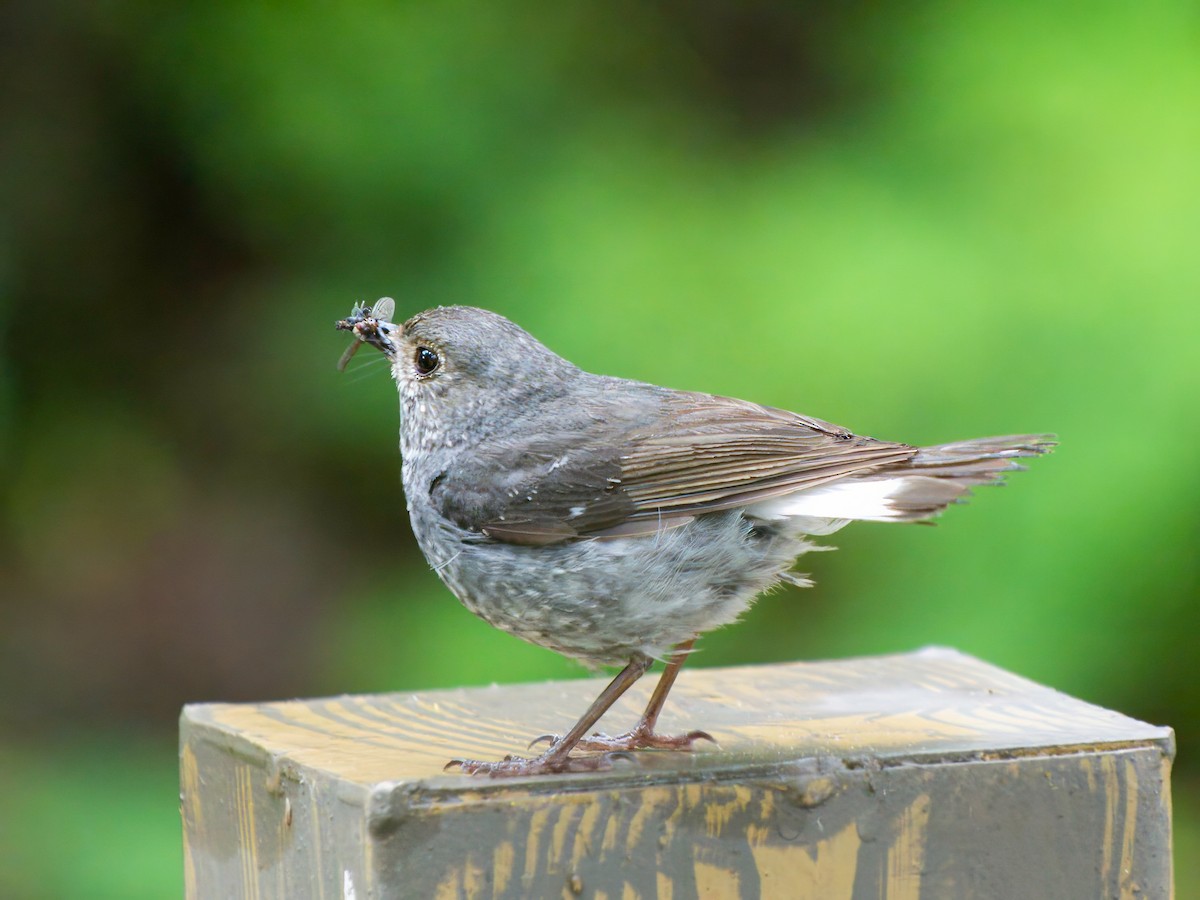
x: 615, y: 521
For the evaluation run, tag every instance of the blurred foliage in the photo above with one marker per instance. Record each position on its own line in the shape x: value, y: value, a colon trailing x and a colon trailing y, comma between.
x: 923, y: 222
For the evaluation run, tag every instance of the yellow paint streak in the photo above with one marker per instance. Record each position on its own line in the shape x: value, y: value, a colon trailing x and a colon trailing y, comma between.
x: 1089, y: 770
x: 353, y: 753
x: 652, y: 798
x: 898, y: 730
x: 193, y: 816
x: 609, y: 841
x: 717, y: 814
x: 797, y: 872
x: 533, y: 843
x: 906, y: 857
x: 281, y: 833
x: 567, y: 813
x: 1112, y: 791
x: 767, y: 806
x: 367, y: 886
x: 316, y: 842
x: 247, y: 833
x: 473, y: 878
x: 716, y: 881
x: 666, y: 834
x: 1164, y: 787
x: 1129, y: 889
x: 759, y: 833
x: 586, y: 833
x: 502, y: 867
x: 239, y: 810
x: 628, y: 893
x: 448, y: 887
x: 666, y: 887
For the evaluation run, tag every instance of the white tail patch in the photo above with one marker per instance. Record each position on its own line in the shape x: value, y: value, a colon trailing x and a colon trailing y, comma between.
x: 831, y: 506
x: 849, y: 499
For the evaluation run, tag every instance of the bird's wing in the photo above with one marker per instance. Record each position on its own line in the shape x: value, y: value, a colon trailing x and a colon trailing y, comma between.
x: 700, y: 454
x: 533, y: 491
x: 721, y: 453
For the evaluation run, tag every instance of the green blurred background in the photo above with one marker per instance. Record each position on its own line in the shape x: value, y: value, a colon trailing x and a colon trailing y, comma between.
x: 923, y: 221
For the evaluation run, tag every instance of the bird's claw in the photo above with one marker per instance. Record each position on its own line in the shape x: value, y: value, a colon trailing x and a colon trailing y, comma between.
x: 637, y: 739
x: 641, y: 739
x: 693, y: 736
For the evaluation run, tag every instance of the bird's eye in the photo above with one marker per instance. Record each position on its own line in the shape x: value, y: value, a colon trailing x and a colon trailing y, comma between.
x: 426, y: 361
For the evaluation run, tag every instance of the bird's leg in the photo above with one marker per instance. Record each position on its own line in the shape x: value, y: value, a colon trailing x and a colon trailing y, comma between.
x: 642, y: 735
x: 557, y: 758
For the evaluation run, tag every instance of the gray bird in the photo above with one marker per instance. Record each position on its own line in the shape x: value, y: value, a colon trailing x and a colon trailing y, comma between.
x: 614, y: 521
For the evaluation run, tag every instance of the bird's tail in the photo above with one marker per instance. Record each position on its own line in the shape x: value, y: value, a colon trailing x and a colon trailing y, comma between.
x: 942, y: 474
x: 914, y: 490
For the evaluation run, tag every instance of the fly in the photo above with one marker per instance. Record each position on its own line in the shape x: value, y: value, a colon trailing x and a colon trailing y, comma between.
x: 364, y: 321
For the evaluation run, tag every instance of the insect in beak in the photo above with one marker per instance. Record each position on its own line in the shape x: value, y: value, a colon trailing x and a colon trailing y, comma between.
x: 366, y: 323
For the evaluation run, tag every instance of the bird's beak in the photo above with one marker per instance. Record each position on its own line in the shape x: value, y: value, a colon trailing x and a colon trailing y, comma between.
x: 369, y: 328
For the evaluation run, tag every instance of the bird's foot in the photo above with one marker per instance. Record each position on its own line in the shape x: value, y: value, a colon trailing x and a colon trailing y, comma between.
x: 550, y: 762
x: 639, y: 738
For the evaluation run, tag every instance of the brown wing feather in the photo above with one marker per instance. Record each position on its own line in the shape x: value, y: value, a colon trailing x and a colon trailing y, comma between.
x: 726, y: 453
